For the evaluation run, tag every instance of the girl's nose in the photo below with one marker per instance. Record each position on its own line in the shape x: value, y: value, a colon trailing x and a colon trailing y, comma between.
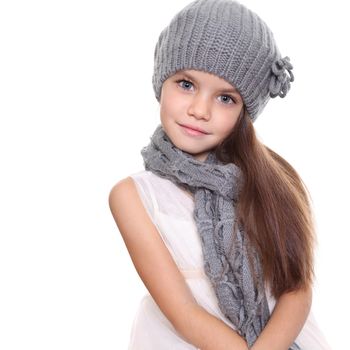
x: 200, y: 107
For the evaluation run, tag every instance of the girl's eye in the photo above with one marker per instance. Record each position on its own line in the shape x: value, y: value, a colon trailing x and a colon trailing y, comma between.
x: 186, y: 84
x: 227, y: 97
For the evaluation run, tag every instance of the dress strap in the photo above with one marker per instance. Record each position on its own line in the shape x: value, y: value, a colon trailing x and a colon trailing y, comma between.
x: 193, y: 273
x: 145, y: 190
x: 152, y: 195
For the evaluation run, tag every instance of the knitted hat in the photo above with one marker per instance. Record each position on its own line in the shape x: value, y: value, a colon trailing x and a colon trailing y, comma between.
x: 225, y: 38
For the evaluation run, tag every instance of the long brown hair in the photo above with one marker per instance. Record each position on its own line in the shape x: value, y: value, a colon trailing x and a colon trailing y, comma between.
x: 274, y: 209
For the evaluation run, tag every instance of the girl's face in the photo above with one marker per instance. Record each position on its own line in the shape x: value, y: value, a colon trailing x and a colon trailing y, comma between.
x: 198, y: 99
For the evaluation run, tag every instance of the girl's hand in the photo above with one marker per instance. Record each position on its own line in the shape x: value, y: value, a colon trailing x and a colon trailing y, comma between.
x: 286, y: 321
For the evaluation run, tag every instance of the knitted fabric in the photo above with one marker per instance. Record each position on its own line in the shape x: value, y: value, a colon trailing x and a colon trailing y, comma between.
x: 216, y: 187
x: 225, y: 38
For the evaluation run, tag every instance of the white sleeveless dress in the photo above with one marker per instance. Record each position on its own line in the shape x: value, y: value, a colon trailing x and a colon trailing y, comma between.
x: 170, y: 208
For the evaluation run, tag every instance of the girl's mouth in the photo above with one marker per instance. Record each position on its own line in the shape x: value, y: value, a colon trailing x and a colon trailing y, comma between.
x: 192, y: 132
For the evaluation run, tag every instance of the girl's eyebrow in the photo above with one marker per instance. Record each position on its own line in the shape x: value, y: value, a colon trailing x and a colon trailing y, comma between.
x: 187, y: 75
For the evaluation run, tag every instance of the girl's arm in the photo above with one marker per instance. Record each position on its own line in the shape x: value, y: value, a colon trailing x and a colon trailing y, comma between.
x: 161, y: 276
x: 286, y: 321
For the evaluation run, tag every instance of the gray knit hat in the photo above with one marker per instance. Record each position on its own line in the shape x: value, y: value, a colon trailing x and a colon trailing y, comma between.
x: 225, y: 38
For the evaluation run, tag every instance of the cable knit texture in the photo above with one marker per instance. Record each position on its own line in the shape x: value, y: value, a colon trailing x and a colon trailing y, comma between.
x: 225, y: 38
x: 216, y: 187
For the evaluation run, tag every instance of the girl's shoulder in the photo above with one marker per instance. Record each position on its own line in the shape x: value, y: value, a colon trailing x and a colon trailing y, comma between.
x: 157, y: 194
x: 126, y: 192
x: 144, y: 183
x: 162, y: 195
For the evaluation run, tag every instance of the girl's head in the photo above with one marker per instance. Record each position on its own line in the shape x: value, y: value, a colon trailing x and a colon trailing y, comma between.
x: 226, y: 39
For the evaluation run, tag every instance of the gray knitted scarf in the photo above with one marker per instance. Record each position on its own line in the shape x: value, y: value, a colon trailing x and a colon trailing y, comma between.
x: 216, y: 187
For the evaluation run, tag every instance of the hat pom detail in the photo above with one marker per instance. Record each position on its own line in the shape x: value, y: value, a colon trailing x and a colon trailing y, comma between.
x: 280, y: 81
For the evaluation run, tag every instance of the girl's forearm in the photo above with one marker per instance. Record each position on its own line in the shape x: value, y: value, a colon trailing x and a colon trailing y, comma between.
x: 207, y: 332
x: 286, y: 321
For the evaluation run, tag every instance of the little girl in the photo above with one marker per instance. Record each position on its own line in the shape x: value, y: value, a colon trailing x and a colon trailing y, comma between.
x: 218, y: 226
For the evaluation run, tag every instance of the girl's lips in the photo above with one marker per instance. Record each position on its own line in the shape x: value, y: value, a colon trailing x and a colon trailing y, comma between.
x: 192, y: 132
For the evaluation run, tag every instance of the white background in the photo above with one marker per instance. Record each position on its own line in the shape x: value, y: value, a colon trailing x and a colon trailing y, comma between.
x: 77, y: 106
